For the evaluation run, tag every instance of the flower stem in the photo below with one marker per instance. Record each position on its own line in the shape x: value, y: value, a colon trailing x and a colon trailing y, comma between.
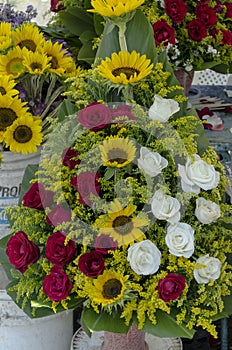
x: 121, y: 35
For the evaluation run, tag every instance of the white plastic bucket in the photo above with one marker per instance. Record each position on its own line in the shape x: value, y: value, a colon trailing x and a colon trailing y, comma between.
x: 12, y: 170
x: 19, y: 332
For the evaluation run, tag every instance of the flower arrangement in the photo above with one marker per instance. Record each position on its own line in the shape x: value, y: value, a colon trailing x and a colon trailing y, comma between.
x: 33, y: 71
x: 196, y: 34
x: 126, y: 215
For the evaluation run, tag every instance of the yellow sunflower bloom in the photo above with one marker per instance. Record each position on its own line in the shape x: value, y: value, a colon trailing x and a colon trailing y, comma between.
x: 12, y: 63
x: 125, y: 67
x: 24, y: 135
x: 107, y: 288
x: 114, y: 8
x: 36, y: 62
x: 117, y: 152
x: 10, y: 110
x: 59, y: 62
x: 5, y: 36
x: 120, y: 225
x: 28, y: 36
x: 7, y: 86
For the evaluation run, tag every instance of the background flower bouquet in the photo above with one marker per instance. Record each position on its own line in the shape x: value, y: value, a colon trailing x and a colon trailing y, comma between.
x: 33, y: 70
x: 126, y: 214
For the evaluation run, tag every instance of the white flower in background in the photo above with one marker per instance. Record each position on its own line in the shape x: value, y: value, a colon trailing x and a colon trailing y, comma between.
x: 165, y: 207
x: 207, y: 211
x: 152, y: 163
x: 162, y: 109
x: 144, y: 257
x: 180, y: 239
x: 197, y: 174
x: 210, y: 269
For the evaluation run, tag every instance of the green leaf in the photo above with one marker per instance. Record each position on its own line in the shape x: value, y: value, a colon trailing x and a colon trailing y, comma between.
x: 29, y: 174
x: 66, y: 108
x: 109, y: 173
x: 98, y: 24
x: 103, y: 321
x: 167, y: 327
x: 77, y: 20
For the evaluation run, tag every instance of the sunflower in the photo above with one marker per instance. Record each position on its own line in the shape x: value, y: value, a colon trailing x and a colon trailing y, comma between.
x: 10, y: 110
x: 125, y: 67
x: 59, y: 62
x: 5, y: 36
x: 24, y: 135
x: 117, y: 152
x: 120, y: 225
x: 36, y: 62
x: 7, y: 86
x: 12, y: 63
x: 28, y: 36
x: 108, y: 288
x: 112, y: 8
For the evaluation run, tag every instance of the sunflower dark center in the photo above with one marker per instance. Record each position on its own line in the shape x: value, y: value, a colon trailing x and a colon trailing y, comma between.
x: 53, y: 62
x: 36, y: 65
x: 22, y: 134
x: 117, y: 155
x: 111, y: 288
x: 7, y: 117
x: 2, y: 90
x: 128, y: 71
x: 122, y: 224
x: 29, y: 44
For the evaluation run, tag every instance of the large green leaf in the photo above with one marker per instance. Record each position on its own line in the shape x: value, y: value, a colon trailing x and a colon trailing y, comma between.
x: 140, y: 40
x: 77, y: 20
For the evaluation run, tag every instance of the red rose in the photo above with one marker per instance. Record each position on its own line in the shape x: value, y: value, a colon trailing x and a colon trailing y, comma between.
x: 58, y: 215
x: 94, y: 117
x: 206, y: 15
x: 37, y: 197
x: 21, y: 251
x: 171, y: 287
x: 86, y: 184
x: 56, y: 5
x: 69, y: 156
x: 176, y: 10
x: 91, y: 264
x: 57, y: 284
x: 103, y: 243
x: 57, y: 251
x: 196, y: 30
x: 228, y: 9
x: 122, y: 111
x: 227, y: 37
x: 163, y: 33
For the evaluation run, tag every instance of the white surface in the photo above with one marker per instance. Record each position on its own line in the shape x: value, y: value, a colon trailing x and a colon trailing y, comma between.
x: 81, y: 341
x: 19, y: 332
x: 209, y: 77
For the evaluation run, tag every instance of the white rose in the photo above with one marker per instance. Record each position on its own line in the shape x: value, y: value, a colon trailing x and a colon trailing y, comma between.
x: 197, y: 174
x: 150, y: 162
x: 207, y: 211
x: 210, y: 271
x: 180, y: 239
x: 162, y: 109
x: 144, y: 257
x: 165, y: 207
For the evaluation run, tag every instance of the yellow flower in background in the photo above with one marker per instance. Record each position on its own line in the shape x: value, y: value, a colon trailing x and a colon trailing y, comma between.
x: 107, y: 288
x: 59, y: 62
x: 7, y: 86
x: 28, y: 36
x: 24, y: 135
x: 117, y: 152
x: 125, y: 67
x: 36, y: 62
x: 5, y: 36
x: 10, y: 110
x: 114, y: 8
x: 11, y: 64
x: 120, y: 225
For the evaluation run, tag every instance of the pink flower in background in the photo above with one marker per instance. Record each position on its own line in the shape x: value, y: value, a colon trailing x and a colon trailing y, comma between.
x: 69, y: 158
x: 163, y: 33
x: 95, y: 116
x: 37, y: 197
x: 21, y: 251
x: 206, y: 15
x: 58, y: 215
x: 196, y: 30
x: 176, y: 10
x: 56, y: 5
